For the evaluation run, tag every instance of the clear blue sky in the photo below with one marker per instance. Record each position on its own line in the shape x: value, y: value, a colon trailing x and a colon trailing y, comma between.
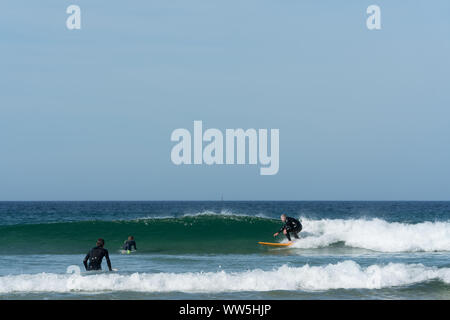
x: 87, y: 115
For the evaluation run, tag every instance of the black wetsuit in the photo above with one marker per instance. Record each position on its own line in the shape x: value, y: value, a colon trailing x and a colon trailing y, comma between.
x: 129, y: 244
x: 293, y: 226
x: 95, y: 257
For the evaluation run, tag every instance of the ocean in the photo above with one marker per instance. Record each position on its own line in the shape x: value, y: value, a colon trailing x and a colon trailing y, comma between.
x: 209, y: 250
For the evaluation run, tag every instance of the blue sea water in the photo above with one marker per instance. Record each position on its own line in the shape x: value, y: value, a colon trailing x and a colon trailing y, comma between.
x: 209, y: 250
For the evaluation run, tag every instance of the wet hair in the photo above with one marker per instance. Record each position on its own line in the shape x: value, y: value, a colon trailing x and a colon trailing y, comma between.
x: 100, y: 242
x: 130, y: 238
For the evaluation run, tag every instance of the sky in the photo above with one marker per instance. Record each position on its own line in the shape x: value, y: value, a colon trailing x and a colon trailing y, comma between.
x: 88, y: 114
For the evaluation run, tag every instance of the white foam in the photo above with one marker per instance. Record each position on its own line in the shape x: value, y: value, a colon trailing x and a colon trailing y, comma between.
x: 376, y: 234
x: 343, y: 275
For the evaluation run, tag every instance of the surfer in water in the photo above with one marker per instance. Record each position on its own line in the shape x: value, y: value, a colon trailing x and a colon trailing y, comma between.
x: 129, y: 244
x: 95, y: 257
x: 291, y: 225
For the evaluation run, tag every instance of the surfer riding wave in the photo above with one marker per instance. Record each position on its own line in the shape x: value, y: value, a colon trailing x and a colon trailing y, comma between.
x: 291, y: 225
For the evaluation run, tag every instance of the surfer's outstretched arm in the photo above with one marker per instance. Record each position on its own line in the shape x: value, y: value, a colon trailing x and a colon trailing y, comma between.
x: 279, y: 231
x: 86, y: 260
x: 107, y: 260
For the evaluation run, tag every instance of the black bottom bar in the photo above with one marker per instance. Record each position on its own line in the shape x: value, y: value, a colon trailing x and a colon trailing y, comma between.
x: 224, y: 309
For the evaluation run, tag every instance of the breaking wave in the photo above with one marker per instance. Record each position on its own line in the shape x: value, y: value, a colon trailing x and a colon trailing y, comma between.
x: 343, y: 275
x: 223, y: 233
x: 377, y: 235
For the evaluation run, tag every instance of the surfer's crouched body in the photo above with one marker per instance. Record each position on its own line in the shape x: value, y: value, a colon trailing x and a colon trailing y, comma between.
x: 291, y: 225
x: 129, y: 244
x: 95, y: 257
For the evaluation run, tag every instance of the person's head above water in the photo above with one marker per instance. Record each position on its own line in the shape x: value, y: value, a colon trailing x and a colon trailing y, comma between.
x: 100, y: 242
x: 283, y: 217
x: 130, y: 238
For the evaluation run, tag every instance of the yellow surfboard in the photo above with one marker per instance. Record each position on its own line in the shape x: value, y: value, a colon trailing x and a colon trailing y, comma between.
x: 276, y: 244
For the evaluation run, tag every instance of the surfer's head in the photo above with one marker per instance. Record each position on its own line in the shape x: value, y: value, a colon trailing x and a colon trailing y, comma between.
x: 130, y: 238
x: 100, y: 242
x: 283, y: 217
